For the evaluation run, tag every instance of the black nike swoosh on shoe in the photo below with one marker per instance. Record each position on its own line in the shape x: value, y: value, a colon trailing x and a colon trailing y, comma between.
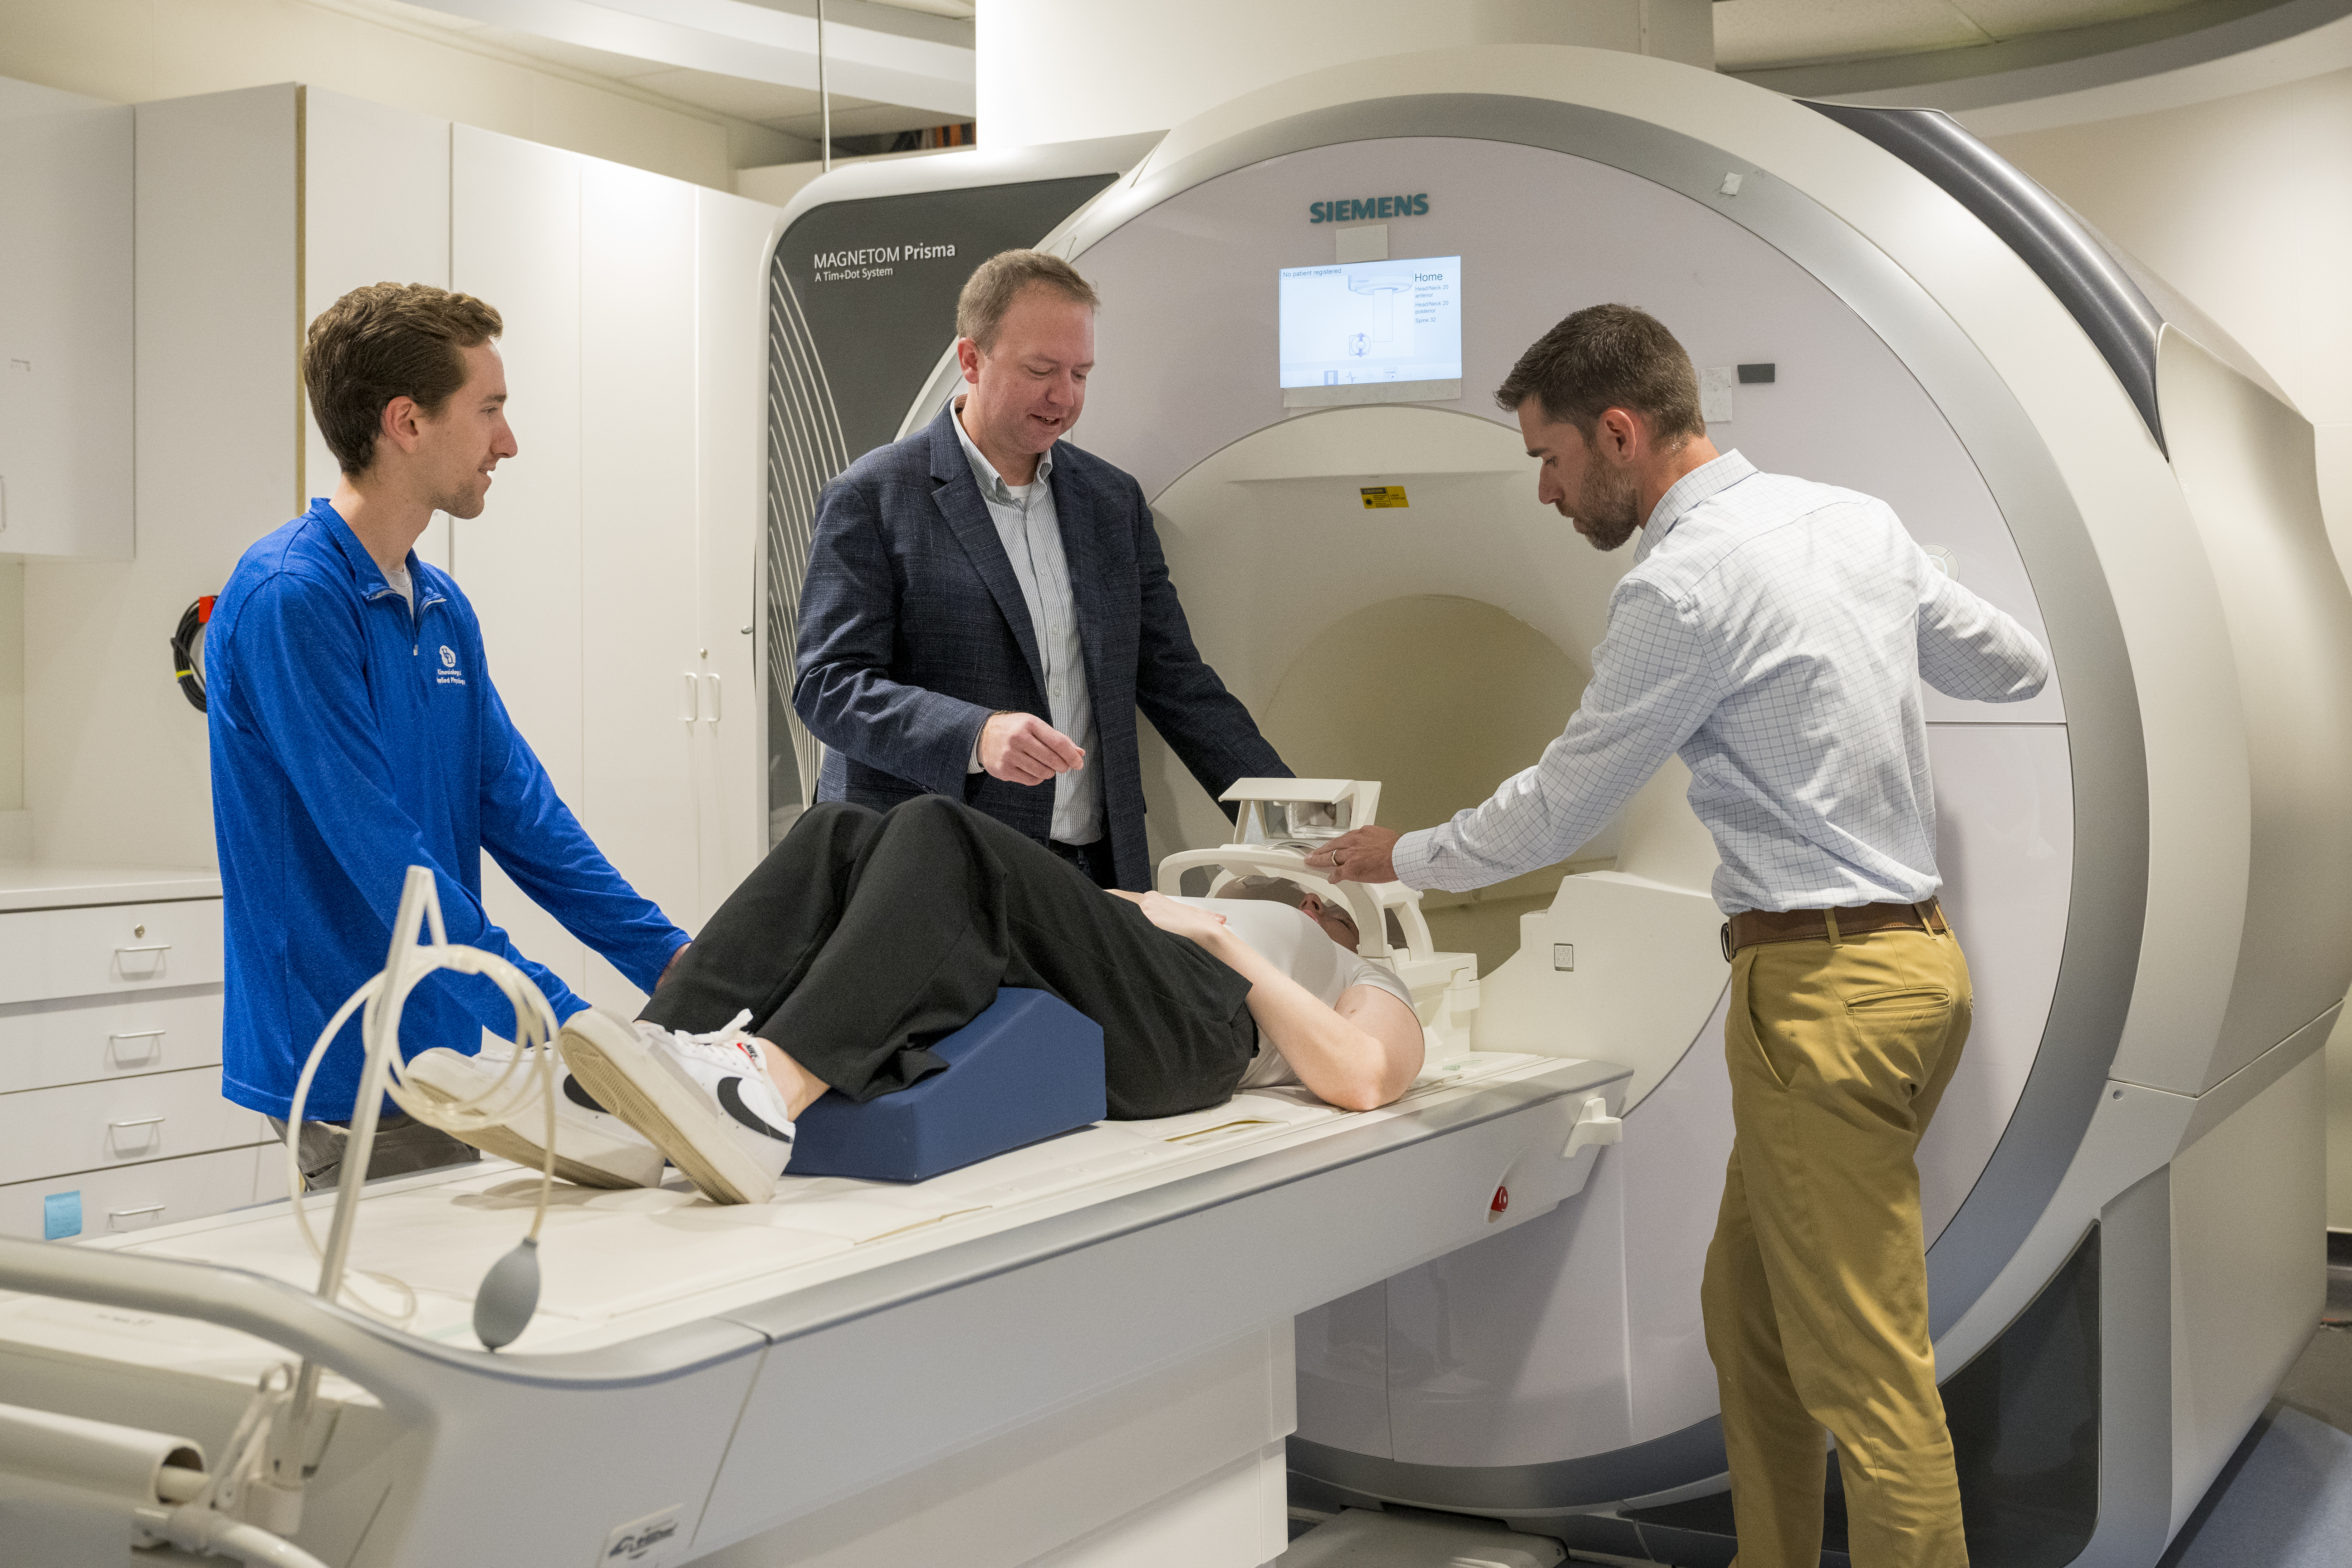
x: 730, y: 1100
x: 580, y: 1097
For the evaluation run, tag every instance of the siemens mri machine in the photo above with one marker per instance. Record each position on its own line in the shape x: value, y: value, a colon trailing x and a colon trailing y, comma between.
x: 1108, y: 1348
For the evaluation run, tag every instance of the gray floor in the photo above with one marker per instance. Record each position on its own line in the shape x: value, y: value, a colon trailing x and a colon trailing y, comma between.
x: 2285, y: 1500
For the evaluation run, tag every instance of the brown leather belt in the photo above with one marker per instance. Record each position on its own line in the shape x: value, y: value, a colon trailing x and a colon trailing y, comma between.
x: 1752, y: 927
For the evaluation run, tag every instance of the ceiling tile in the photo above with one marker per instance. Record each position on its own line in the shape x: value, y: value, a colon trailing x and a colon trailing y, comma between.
x: 2017, y: 19
x: 1754, y: 34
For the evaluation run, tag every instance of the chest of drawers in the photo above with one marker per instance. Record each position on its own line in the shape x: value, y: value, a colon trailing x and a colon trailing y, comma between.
x: 111, y: 1108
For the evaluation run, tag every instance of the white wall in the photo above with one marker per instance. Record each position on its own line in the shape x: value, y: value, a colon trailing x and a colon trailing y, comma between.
x: 1060, y: 70
x: 134, y: 53
x: 2244, y: 205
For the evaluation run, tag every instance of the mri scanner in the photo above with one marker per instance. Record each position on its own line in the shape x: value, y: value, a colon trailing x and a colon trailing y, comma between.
x: 1111, y: 1348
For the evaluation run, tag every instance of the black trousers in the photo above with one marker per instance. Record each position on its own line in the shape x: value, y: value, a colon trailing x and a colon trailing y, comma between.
x: 863, y: 937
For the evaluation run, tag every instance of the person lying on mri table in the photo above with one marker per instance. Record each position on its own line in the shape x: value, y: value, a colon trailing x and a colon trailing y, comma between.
x: 864, y: 935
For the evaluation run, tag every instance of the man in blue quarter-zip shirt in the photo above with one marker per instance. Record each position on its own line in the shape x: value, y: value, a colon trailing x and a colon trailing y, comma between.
x: 355, y: 732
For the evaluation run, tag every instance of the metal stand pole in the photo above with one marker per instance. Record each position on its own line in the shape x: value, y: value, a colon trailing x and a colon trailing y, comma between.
x: 824, y: 98
x: 420, y: 908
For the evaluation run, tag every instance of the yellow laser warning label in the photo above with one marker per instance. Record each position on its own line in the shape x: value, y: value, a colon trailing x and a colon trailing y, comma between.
x: 1385, y: 495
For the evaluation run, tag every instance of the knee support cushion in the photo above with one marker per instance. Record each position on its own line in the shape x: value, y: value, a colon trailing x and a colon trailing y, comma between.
x: 1030, y: 1067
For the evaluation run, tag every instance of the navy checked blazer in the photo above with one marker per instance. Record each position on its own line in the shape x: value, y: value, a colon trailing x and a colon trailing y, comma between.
x: 913, y: 631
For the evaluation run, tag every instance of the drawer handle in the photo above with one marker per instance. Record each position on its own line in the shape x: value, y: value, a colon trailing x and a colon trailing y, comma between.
x: 143, y: 1121
x: 133, y: 1214
x: 147, y: 1047
x: 151, y: 947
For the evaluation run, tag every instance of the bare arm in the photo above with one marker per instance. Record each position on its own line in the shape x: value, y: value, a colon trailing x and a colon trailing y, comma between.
x: 1359, y: 1056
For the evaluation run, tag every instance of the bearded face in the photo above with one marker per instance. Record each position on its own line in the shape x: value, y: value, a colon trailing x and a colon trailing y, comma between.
x: 1607, y: 508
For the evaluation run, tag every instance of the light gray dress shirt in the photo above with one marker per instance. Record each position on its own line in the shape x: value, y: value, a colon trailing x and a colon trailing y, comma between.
x: 1031, y: 530
x: 1774, y: 633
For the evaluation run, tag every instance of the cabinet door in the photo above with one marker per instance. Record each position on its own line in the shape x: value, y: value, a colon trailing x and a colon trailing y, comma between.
x: 640, y: 656
x: 65, y: 333
x: 734, y: 238
x: 390, y: 225
x: 514, y: 241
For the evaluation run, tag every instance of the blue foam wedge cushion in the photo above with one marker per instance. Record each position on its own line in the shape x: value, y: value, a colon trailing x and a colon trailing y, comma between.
x: 1029, y: 1068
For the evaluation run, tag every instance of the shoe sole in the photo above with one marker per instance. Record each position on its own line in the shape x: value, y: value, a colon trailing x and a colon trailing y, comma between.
x: 504, y: 1144
x: 615, y: 1067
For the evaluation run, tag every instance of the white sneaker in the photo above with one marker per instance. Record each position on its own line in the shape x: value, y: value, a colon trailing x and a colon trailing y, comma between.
x: 593, y: 1148
x: 705, y: 1100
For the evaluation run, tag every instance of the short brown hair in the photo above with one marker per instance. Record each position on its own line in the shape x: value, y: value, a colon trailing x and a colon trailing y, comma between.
x: 996, y: 282
x: 1603, y: 357
x: 382, y: 341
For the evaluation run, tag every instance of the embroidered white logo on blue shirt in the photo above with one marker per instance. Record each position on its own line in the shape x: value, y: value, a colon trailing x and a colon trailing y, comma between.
x: 449, y: 676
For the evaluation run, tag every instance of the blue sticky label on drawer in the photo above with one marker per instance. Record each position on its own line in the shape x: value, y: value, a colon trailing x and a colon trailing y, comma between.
x: 60, y: 1215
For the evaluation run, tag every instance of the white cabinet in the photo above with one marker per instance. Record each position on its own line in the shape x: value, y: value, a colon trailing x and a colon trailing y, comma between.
x: 111, y: 1114
x: 93, y: 1039
x: 65, y: 331
x: 135, y: 1197
x: 618, y: 545
x: 637, y: 536
x: 514, y: 240
x: 733, y: 240
x: 616, y: 565
x: 392, y: 222
x: 126, y: 1121
x: 115, y: 947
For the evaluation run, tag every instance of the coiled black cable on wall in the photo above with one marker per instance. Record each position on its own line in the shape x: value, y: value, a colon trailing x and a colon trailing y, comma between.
x: 187, y: 668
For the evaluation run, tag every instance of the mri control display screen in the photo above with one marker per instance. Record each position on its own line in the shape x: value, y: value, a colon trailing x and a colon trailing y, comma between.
x: 1371, y: 321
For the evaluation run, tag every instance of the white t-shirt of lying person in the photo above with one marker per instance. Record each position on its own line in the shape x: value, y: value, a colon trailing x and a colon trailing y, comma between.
x: 1295, y: 944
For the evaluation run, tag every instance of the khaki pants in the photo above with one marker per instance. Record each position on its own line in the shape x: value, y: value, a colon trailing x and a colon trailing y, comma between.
x: 1816, y: 1292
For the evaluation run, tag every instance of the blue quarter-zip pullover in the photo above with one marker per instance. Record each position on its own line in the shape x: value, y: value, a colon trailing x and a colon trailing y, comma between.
x: 352, y: 740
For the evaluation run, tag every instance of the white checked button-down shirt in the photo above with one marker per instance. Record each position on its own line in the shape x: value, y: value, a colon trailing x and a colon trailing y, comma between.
x: 1772, y: 632
x: 1031, y: 528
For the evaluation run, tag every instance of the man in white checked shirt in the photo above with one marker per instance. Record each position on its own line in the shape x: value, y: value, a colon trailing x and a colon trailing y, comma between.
x: 1773, y: 633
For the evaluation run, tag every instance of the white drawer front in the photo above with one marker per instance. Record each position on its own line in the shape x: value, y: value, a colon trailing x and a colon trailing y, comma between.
x: 132, y: 1197
x: 84, y: 1126
x: 89, y: 1038
x: 112, y: 947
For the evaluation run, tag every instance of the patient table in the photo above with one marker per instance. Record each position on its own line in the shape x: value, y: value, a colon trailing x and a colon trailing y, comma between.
x: 1073, y: 1352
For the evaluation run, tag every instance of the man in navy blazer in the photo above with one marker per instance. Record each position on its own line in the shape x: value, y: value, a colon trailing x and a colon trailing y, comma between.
x: 986, y: 605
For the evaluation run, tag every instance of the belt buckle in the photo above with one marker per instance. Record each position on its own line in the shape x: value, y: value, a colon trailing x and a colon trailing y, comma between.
x: 1724, y: 936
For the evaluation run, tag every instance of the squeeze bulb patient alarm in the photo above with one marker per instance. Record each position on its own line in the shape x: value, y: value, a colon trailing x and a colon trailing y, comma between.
x: 509, y: 1291
x: 509, y: 1296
